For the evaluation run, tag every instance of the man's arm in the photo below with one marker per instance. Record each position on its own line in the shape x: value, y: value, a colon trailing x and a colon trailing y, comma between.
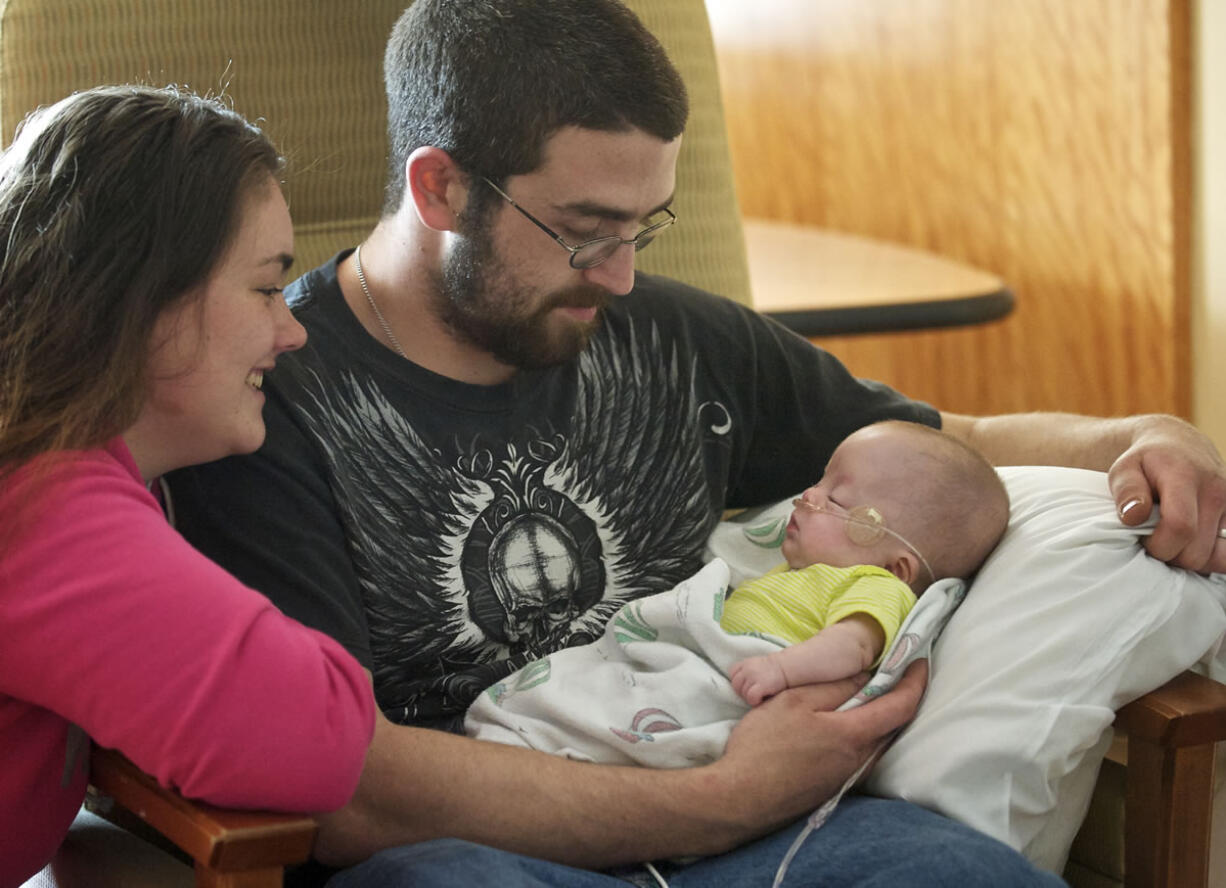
x: 1149, y: 459
x: 783, y: 759
x: 273, y: 519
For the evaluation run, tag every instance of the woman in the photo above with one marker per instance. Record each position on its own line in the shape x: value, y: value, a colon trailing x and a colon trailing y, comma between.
x: 145, y: 245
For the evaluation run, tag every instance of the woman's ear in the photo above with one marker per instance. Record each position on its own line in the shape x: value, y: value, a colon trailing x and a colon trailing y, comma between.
x: 436, y: 188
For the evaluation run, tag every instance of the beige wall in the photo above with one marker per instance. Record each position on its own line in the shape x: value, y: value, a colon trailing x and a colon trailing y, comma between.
x: 1046, y: 141
x: 1209, y: 262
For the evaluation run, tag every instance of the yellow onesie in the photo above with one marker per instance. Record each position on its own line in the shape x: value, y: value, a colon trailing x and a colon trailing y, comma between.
x: 793, y: 605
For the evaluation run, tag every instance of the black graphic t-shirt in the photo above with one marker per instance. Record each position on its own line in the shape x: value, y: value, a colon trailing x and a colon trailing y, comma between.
x: 447, y: 533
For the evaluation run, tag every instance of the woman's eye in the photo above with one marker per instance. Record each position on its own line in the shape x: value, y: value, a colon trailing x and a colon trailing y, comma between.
x: 270, y: 292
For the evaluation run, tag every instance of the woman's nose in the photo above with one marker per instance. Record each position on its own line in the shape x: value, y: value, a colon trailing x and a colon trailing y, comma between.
x: 291, y: 335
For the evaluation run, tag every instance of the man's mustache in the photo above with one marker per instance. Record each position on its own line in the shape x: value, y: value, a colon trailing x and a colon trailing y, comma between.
x: 578, y: 297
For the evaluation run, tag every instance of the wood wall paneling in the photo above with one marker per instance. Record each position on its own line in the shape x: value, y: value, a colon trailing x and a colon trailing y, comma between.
x: 1042, y: 140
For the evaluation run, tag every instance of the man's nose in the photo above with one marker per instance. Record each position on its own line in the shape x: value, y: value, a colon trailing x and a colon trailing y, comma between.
x: 615, y: 274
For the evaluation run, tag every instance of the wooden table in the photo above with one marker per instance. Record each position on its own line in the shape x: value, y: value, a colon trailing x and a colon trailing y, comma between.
x: 823, y: 283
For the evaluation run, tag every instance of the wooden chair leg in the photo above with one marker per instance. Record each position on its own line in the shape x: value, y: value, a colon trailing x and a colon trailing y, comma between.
x: 1168, y: 805
x: 1168, y: 809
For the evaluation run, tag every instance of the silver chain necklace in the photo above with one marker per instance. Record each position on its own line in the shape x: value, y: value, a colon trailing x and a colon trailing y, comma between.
x: 387, y: 329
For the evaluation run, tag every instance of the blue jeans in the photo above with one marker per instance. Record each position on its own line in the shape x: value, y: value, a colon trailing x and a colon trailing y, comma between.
x: 867, y: 842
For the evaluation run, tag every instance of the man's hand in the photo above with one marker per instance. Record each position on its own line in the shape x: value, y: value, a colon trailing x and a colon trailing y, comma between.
x: 757, y: 678
x: 1172, y: 463
x: 1153, y: 458
x: 784, y: 759
x: 793, y: 752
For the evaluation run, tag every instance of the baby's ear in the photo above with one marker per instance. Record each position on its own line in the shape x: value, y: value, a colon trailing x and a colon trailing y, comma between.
x: 904, y: 565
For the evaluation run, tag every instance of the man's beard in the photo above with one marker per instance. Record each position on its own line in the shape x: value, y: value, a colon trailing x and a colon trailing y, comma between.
x: 474, y: 297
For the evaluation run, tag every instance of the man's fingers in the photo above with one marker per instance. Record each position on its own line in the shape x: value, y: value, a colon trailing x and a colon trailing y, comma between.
x: 1217, y: 562
x: 1177, y: 529
x: 1131, y: 491
x: 1188, y: 531
x: 1180, y: 471
x: 1132, y: 507
x: 894, y: 709
x: 826, y: 695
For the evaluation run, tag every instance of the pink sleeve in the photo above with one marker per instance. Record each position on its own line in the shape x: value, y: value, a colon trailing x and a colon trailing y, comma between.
x: 113, y: 621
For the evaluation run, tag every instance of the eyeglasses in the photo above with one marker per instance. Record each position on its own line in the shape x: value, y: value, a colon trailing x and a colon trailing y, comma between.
x: 591, y: 253
x: 864, y: 526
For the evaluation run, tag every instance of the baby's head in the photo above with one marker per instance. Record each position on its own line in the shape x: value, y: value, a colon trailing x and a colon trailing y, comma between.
x: 905, y: 497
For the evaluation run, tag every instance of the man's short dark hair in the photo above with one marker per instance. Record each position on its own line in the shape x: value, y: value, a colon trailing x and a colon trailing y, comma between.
x: 489, y: 81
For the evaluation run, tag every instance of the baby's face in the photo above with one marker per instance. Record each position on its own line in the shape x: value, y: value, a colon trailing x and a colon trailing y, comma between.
x: 862, y: 475
x: 822, y: 530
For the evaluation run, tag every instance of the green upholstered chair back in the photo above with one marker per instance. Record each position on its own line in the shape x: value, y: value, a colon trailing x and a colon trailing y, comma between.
x: 311, y: 72
x: 707, y: 247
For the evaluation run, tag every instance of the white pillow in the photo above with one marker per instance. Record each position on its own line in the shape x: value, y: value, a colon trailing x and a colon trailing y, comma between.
x: 1067, y: 621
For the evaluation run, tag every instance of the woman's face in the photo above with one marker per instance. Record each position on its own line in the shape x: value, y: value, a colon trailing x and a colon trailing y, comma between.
x: 209, y: 354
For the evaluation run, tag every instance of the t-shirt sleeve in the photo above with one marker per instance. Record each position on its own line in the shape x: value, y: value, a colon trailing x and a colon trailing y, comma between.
x: 886, y: 599
x: 115, y: 623
x: 805, y: 402
x: 271, y: 519
x: 791, y: 402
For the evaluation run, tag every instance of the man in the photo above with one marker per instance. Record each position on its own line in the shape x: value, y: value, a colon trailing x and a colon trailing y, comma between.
x: 496, y: 436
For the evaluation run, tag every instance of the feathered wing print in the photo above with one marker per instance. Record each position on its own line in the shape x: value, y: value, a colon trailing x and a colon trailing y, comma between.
x: 405, y: 508
x: 636, y: 461
x: 480, y: 556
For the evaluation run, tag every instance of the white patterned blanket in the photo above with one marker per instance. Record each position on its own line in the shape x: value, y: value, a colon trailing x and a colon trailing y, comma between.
x: 653, y: 690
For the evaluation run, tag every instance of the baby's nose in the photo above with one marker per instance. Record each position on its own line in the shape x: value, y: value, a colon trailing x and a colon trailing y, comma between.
x: 811, y: 500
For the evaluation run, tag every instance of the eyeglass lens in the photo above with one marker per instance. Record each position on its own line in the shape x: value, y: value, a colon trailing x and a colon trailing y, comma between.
x: 596, y: 251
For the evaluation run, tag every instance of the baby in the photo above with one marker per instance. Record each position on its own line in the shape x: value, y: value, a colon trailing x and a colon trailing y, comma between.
x: 898, y: 506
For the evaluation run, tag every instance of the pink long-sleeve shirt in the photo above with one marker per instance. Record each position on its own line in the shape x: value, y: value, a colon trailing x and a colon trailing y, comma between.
x: 110, y: 621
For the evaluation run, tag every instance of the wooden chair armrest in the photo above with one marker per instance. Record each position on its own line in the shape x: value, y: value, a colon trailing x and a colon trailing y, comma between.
x: 229, y: 847
x: 1189, y: 710
x: 1168, y: 803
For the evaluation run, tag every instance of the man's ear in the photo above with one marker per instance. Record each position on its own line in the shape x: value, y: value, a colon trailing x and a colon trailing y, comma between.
x: 436, y: 187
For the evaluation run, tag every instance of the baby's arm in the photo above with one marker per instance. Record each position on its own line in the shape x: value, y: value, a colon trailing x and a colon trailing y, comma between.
x: 843, y: 649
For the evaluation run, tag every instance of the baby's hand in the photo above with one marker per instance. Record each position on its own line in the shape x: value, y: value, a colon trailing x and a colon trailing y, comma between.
x: 757, y: 678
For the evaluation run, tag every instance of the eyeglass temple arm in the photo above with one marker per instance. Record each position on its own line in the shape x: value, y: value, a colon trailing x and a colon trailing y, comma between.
x: 535, y: 221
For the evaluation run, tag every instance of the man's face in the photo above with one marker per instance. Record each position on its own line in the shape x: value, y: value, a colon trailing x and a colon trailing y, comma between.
x: 509, y: 289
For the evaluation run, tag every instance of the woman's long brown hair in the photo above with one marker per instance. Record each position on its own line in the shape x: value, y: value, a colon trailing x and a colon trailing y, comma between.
x: 115, y: 204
